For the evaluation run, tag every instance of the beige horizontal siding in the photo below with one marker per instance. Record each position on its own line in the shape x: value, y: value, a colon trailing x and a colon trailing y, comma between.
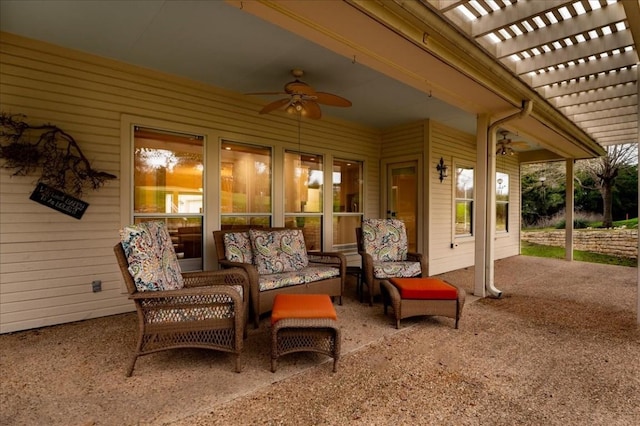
x: 48, y: 260
x: 457, y: 147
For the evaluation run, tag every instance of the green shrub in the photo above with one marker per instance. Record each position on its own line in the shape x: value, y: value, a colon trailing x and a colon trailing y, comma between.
x: 577, y: 224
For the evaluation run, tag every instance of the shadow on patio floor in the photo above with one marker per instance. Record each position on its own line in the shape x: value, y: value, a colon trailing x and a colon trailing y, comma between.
x: 75, y: 373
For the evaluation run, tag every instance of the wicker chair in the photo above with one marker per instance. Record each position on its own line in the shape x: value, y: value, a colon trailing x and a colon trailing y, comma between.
x: 208, y: 312
x: 383, y: 245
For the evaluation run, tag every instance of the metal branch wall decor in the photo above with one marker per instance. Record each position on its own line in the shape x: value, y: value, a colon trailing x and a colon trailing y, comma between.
x: 27, y: 148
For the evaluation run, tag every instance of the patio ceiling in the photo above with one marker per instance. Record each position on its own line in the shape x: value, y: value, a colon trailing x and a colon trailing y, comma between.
x: 201, y: 41
x: 580, y: 55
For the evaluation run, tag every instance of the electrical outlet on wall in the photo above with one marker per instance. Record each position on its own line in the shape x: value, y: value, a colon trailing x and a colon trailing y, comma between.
x: 96, y: 286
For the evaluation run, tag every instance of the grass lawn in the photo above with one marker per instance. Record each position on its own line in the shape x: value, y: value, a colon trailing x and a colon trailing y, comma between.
x: 630, y: 223
x: 530, y: 249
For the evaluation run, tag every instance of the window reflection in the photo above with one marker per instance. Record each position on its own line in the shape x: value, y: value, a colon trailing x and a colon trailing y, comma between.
x: 464, y: 201
x: 502, y: 202
x: 245, y: 185
x: 347, y: 204
x: 168, y: 186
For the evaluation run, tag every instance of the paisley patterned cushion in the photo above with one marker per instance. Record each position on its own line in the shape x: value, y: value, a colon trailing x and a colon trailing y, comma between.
x: 278, y: 251
x: 385, y: 239
x: 306, y: 275
x: 237, y: 247
x: 153, y: 263
x: 382, y: 270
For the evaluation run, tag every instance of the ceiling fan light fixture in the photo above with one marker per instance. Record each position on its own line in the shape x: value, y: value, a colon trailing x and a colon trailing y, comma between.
x: 302, y: 99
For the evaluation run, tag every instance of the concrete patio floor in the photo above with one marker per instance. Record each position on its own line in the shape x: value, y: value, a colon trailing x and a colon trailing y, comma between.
x: 551, y: 331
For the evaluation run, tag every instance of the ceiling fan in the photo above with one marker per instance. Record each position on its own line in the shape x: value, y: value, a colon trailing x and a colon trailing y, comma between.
x: 302, y: 98
x: 505, y: 146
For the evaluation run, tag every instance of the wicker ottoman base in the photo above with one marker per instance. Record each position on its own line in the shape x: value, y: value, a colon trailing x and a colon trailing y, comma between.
x: 294, y: 334
x: 405, y: 308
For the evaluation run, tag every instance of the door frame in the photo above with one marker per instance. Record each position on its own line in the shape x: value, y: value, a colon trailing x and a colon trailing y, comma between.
x: 421, y: 228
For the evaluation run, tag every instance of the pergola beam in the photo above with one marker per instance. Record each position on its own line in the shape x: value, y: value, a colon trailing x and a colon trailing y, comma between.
x: 595, y: 95
x: 510, y: 15
x: 576, y: 25
x: 613, y: 122
x: 622, y: 76
x: 617, y: 40
x: 605, y: 104
x: 592, y: 67
x: 604, y: 114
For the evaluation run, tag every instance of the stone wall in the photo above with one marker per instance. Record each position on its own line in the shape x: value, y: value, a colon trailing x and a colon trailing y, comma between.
x: 617, y: 242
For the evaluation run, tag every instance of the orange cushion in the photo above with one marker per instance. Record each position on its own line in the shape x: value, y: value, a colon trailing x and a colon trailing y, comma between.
x: 424, y: 288
x: 302, y: 306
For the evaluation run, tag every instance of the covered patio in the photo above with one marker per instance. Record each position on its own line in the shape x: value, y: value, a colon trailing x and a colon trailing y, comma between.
x: 560, y: 347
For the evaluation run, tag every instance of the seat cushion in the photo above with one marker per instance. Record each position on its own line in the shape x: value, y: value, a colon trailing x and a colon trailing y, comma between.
x: 382, y: 270
x: 237, y: 247
x: 307, y: 275
x: 153, y: 263
x: 385, y: 239
x: 302, y: 306
x: 424, y: 288
x: 278, y: 251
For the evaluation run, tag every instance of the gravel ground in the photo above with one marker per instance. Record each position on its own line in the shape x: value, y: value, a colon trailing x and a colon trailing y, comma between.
x: 561, y: 347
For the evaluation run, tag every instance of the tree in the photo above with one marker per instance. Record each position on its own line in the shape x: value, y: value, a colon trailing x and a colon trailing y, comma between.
x: 543, y: 187
x: 604, y: 171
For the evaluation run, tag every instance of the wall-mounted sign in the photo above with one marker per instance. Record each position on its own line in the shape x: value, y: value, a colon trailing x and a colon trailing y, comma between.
x: 58, y: 200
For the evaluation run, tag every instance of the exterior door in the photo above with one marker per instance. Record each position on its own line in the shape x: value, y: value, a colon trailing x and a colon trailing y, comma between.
x: 402, y: 201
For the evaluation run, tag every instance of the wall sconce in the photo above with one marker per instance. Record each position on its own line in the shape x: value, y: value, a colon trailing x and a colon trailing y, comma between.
x: 442, y: 169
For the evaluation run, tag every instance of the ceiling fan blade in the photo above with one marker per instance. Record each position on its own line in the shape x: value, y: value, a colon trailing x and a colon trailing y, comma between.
x: 275, y: 105
x: 267, y: 93
x: 331, y: 99
x: 299, y: 88
x: 311, y: 110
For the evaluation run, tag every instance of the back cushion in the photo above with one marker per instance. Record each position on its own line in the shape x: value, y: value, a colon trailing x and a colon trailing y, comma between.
x: 237, y: 247
x: 278, y: 251
x: 153, y: 263
x: 385, y: 239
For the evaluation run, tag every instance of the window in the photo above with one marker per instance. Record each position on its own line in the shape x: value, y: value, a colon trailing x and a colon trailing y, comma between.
x: 168, y: 186
x: 502, y: 202
x: 464, y: 196
x: 245, y: 185
x: 347, y: 204
x: 303, y: 195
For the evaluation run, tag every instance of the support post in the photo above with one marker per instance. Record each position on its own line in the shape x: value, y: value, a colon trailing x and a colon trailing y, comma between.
x: 480, y: 226
x: 569, y: 210
x: 638, y: 139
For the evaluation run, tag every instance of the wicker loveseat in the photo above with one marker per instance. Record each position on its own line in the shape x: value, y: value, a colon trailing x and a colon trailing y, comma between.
x: 276, y: 261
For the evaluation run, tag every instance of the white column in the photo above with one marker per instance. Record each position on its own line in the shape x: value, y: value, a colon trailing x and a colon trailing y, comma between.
x: 569, y: 210
x: 638, y: 139
x: 480, y: 193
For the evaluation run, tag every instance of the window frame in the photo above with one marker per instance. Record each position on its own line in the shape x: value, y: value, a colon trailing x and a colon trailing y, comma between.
x: 314, y: 235
x: 186, y: 264
x: 261, y: 218
x: 503, y: 203
x: 347, y: 248
x: 460, y: 164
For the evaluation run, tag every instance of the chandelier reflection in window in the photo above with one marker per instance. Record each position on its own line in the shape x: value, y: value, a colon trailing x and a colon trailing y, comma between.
x: 154, y: 159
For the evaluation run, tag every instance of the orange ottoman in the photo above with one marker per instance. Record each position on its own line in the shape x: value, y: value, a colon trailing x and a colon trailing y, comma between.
x: 304, y: 323
x: 410, y: 297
